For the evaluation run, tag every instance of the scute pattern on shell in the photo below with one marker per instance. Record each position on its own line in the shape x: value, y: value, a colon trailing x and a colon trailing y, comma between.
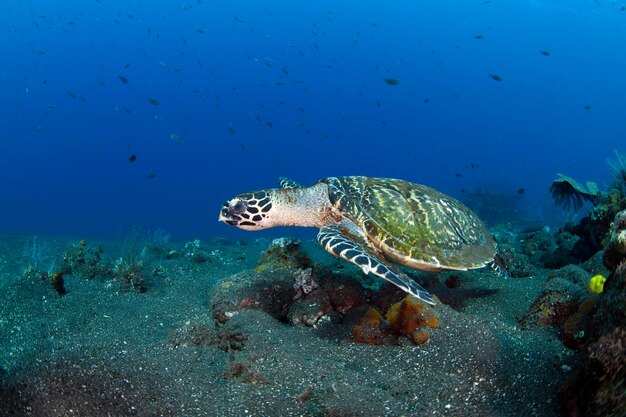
x: 414, y: 222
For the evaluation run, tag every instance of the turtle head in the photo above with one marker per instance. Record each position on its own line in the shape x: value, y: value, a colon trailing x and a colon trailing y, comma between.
x: 248, y: 211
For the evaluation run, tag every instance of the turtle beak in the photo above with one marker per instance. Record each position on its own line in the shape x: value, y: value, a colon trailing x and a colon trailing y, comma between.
x: 226, y: 216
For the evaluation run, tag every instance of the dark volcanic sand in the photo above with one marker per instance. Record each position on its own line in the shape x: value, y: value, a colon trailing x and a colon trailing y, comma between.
x: 105, y: 350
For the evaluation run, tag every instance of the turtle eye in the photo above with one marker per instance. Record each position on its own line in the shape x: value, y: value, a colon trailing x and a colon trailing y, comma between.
x: 239, y: 207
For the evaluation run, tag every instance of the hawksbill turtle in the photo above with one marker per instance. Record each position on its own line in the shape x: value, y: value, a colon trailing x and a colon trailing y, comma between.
x: 374, y: 223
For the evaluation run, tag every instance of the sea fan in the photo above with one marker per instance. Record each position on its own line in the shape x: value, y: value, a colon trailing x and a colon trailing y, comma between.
x: 570, y: 194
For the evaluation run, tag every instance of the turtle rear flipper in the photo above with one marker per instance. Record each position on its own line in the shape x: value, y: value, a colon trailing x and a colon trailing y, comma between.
x: 337, y: 241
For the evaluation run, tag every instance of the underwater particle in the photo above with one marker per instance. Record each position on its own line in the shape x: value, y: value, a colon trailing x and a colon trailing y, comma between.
x: 596, y: 284
x: 426, y: 100
x: 269, y: 124
x: 391, y: 81
x: 123, y: 79
x: 57, y: 283
x: 495, y: 77
x: 231, y: 130
x: 521, y: 190
x: 177, y: 139
x: 544, y: 53
x: 587, y: 107
x: 132, y: 158
x: 72, y: 95
x: 458, y: 174
x: 153, y: 101
x: 151, y: 175
x: 479, y: 36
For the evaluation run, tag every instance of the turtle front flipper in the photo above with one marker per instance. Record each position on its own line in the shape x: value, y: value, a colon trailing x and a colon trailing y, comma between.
x: 343, y: 245
x: 288, y: 183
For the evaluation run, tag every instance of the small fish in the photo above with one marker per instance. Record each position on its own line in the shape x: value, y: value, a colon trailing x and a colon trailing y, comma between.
x: 544, y: 53
x: 458, y: 174
x: 123, y: 79
x: 151, y: 175
x: 269, y: 124
x: 587, y: 107
x: 378, y: 103
x: 72, y: 95
x: 231, y: 130
x: 391, y: 81
x: 495, y: 77
x: 201, y: 30
x: 243, y: 148
x: 238, y: 19
x: 479, y: 36
x: 426, y: 100
x: 520, y: 191
x: 153, y: 101
x: 132, y: 158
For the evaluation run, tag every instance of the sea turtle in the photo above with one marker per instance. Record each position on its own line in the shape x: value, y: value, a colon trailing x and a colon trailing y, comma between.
x: 374, y: 223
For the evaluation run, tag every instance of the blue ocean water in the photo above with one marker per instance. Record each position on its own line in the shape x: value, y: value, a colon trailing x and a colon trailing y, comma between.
x: 218, y: 97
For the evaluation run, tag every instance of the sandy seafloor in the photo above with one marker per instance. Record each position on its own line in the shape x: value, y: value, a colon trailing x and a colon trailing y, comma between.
x: 103, y: 350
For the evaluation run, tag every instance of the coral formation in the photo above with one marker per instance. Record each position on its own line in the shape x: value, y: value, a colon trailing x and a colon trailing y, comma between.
x: 81, y: 259
x: 407, y: 318
x: 565, y: 305
x: 592, y: 230
x: 599, y: 387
